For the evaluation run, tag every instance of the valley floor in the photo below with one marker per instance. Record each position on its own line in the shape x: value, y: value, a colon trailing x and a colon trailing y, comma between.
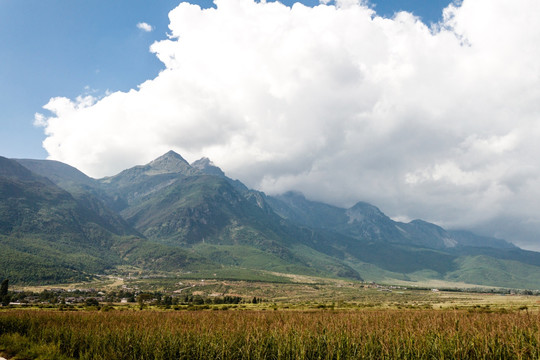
x: 289, y: 317
x: 297, y: 291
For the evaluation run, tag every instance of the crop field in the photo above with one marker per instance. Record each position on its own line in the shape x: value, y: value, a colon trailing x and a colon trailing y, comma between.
x: 293, y: 318
x: 271, y: 334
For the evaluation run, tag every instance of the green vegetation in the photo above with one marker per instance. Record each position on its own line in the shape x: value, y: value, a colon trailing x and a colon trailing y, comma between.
x: 487, y: 270
x: 170, y: 219
x: 4, y: 295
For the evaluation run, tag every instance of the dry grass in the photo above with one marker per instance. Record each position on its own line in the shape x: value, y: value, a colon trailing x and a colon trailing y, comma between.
x: 366, y: 334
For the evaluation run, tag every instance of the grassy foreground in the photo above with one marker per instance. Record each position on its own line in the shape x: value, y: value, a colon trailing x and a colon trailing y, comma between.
x: 282, y: 334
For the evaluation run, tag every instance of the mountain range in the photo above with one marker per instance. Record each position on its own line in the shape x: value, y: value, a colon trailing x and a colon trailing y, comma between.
x: 169, y: 216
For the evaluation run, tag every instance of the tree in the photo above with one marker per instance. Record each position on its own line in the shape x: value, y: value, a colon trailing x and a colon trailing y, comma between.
x: 142, y: 298
x: 91, y: 302
x: 4, y: 296
x: 4, y: 287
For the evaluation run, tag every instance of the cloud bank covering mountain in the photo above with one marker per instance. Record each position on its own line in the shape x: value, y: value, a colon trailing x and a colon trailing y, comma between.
x: 436, y: 123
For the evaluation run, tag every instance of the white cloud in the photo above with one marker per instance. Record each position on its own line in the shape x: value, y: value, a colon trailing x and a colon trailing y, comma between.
x: 145, y: 27
x: 440, y: 124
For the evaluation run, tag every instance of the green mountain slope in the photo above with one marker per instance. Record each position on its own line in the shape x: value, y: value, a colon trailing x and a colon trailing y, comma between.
x: 366, y: 222
x: 48, y: 235
x: 42, y: 227
x: 31, y: 204
x: 170, y: 216
x: 176, y: 204
x: 486, y: 270
x: 85, y: 190
x: 396, y: 249
x: 180, y: 208
x: 63, y: 175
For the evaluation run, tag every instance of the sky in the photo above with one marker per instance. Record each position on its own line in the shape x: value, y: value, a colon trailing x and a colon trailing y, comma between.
x: 426, y: 109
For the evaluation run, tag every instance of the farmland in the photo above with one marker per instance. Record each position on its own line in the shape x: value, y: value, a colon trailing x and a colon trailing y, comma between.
x: 278, y: 334
x: 297, y: 318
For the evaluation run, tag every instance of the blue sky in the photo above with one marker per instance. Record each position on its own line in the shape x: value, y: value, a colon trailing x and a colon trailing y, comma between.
x: 66, y: 48
x: 71, y: 47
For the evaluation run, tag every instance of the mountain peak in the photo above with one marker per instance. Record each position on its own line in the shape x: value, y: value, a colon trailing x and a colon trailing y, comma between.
x: 207, y: 166
x: 362, y: 211
x: 204, y: 161
x: 170, y: 162
x: 366, y: 207
x: 170, y: 155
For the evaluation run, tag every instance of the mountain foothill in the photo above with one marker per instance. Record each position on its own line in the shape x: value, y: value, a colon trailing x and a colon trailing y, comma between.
x: 59, y: 225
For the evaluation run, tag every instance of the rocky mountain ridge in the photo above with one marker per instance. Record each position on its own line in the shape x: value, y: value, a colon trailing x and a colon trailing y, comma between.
x: 178, y: 216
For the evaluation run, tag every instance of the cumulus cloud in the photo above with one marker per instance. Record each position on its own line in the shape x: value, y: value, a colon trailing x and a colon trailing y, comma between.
x: 437, y: 123
x: 145, y: 27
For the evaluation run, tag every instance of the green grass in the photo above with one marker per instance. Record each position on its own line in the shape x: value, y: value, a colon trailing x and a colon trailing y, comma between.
x: 31, y: 259
x: 242, y: 256
x: 486, y: 270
